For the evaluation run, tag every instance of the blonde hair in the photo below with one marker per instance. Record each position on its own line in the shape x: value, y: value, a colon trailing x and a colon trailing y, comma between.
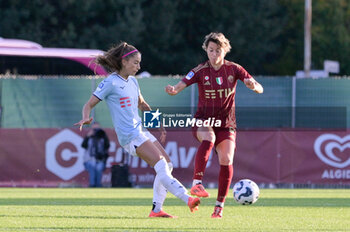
x: 112, y: 59
x: 219, y: 39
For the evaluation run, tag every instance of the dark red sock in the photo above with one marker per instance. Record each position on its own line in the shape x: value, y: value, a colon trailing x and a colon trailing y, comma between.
x: 201, y: 159
x: 225, y: 178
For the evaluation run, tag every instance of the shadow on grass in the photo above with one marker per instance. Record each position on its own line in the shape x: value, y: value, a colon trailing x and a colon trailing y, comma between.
x: 263, y: 202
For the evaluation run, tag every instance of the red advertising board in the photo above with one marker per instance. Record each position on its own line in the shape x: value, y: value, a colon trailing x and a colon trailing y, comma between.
x: 54, y: 157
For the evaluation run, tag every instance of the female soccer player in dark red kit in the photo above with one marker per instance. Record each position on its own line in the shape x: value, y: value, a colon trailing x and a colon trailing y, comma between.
x: 216, y: 79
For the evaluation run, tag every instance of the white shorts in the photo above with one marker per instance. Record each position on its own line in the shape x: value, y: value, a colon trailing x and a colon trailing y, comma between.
x: 138, y: 141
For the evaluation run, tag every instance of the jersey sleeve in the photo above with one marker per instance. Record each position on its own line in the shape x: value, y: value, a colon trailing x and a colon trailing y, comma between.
x: 103, y: 89
x: 241, y: 73
x: 190, y: 78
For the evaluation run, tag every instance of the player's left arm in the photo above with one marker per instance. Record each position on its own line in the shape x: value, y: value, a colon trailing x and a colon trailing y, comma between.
x: 248, y: 80
x: 252, y: 84
x: 143, y: 106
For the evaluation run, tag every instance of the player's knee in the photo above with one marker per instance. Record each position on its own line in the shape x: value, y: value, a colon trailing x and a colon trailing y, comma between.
x: 161, y: 168
x: 208, y: 136
x: 225, y: 160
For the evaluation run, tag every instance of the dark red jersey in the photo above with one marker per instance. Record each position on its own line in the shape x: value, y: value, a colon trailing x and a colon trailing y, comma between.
x: 217, y: 90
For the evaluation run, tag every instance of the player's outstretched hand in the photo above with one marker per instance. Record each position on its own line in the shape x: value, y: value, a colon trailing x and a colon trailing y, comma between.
x: 170, y: 90
x: 249, y: 83
x: 253, y: 85
x: 82, y: 122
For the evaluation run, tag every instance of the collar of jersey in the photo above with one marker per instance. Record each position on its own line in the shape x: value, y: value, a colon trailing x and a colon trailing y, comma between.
x: 211, y: 67
x: 121, y: 77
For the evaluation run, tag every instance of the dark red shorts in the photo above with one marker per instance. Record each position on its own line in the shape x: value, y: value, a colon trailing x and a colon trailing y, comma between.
x: 220, y: 134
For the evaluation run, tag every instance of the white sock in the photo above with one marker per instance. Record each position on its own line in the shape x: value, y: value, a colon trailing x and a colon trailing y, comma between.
x: 157, y: 207
x: 171, y: 166
x: 159, y: 192
x: 218, y: 203
x: 195, y: 182
x: 169, y: 182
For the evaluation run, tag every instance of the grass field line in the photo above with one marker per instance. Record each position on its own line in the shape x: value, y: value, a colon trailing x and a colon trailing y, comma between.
x: 126, y: 209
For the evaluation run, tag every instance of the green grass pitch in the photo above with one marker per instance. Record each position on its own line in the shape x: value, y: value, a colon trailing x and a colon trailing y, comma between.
x: 114, y: 209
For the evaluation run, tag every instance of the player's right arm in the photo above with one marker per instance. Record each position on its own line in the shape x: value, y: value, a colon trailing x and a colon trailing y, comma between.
x: 189, y: 79
x: 102, y: 91
x: 91, y: 103
x: 173, y: 90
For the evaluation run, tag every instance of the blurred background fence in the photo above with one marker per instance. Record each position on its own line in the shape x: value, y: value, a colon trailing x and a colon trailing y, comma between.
x: 287, y: 102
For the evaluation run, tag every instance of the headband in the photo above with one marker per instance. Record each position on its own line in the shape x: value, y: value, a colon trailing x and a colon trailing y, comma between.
x: 130, y: 53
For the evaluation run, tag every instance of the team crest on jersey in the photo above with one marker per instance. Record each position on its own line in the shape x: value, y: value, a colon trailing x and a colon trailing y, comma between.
x: 230, y: 78
x: 219, y: 80
x: 189, y: 75
x: 206, y: 80
x: 100, y: 86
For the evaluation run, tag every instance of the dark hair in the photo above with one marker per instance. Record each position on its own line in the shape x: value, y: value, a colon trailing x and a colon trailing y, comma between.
x: 219, y: 39
x: 112, y: 59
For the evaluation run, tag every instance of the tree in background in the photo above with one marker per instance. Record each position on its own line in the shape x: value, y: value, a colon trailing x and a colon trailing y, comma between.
x: 290, y: 56
x: 267, y: 36
x: 331, y: 33
x: 75, y: 23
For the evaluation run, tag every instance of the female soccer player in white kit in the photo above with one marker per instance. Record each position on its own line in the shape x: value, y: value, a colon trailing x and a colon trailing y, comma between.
x: 122, y: 94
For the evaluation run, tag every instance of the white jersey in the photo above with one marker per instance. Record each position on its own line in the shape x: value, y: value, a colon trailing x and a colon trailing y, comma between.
x: 122, y: 98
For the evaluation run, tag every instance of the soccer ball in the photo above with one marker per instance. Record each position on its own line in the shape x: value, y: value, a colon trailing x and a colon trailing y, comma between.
x: 246, y: 192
